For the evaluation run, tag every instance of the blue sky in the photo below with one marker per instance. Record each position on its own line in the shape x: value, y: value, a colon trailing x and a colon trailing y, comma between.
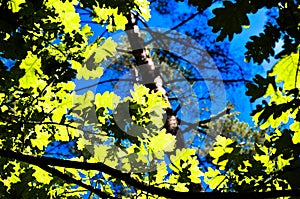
x: 237, y: 48
x: 235, y: 94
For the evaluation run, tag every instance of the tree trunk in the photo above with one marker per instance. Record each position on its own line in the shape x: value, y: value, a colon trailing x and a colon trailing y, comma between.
x: 146, y: 69
x: 151, y: 78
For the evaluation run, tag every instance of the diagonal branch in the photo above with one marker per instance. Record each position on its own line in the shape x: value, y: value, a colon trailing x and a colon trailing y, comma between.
x: 178, y: 25
x: 184, y: 21
x: 102, y: 82
x: 202, y: 123
x: 67, y: 178
x: 43, y: 161
x: 297, y: 71
x: 215, y: 117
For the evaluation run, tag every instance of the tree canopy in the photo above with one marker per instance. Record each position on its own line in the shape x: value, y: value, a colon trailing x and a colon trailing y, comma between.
x: 58, y: 140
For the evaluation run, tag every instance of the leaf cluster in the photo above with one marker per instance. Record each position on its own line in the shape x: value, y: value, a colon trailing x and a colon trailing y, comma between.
x: 233, y: 16
x: 48, y: 47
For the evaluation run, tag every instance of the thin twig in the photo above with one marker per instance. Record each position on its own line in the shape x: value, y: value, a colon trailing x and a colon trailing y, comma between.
x: 297, y: 71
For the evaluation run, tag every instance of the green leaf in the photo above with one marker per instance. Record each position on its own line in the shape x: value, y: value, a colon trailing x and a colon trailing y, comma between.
x: 32, y: 66
x: 107, y: 100
x: 214, y: 178
x: 296, y: 137
x: 94, y: 56
x: 228, y: 20
x: 143, y: 8
x: 286, y: 70
x: 115, y: 20
x: 259, y: 89
x: 262, y: 46
x: 41, y: 175
x: 66, y: 14
x: 13, y: 176
x: 162, y: 143
x: 42, y: 138
x: 15, y: 5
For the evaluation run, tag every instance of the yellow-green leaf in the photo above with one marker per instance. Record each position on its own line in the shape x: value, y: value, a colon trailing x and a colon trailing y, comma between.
x: 41, y: 175
x: 285, y: 71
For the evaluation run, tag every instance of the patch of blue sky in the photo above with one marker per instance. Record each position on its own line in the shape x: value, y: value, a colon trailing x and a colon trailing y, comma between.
x: 236, y: 48
x: 61, y: 150
x: 9, y: 63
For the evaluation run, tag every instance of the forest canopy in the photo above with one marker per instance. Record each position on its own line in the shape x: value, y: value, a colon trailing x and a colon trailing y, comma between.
x: 157, y: 123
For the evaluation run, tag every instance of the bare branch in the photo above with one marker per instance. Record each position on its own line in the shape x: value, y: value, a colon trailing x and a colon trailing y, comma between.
x: 67, y: 178
x: 215, y: 117
x: 102, y: 82
x: 43, y: 161
x: 178, y: 25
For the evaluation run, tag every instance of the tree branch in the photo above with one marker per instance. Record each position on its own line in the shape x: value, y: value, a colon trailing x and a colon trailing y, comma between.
x: 178, y: 25
x: 215, y: 117
x: 209, y: 79
x: 102, y: 82
x: 67, y: 178
x: 43, y: 161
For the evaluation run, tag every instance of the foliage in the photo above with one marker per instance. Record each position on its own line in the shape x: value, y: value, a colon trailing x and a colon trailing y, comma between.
x: 48, y: 47
x: 273, y: 164
x: 116, y: 147
x: 261, y: 47
x: 229, y: 126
